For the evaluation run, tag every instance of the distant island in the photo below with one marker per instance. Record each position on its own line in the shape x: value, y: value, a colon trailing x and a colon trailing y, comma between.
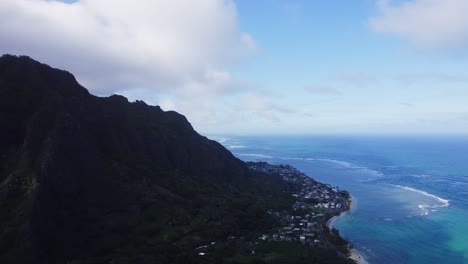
x: 86, y: 179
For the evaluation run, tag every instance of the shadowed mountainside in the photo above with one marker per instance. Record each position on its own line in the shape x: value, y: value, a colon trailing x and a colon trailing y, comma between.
x: 86, y: 179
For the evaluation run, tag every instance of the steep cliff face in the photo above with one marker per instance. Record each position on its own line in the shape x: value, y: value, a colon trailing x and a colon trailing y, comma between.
x: 84, y: 178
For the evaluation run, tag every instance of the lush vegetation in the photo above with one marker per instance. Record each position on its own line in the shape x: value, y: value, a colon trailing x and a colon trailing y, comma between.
x: 85, y: 179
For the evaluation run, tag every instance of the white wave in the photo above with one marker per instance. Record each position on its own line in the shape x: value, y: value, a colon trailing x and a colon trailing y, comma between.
x: 348, y: 165
x: 343, y: 164
x: 235, y: 146
x: 219, y: 139
x: 420, y: 175
x: 254, y: 155
x: 287, y: 158
x: 426, y: 208
x: 444, y: 202
x: 339, y: 162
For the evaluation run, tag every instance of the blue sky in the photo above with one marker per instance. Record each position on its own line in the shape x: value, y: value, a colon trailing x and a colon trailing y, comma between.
x: 368, y: 81
x: 263, y: 67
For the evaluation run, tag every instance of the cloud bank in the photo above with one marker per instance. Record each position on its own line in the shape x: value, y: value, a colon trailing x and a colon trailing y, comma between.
x: 112, y: 45
x: 428, y: 24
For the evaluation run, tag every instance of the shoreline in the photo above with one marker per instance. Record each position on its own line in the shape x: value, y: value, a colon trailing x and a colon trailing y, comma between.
x: 355, y: 255
x: 336, y: 217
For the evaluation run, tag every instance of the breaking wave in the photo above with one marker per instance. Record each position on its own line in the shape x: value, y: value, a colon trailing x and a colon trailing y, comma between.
x: 348, y: 165
x: 442, y: 201
x: 256, y: 155
x: 235, y: 146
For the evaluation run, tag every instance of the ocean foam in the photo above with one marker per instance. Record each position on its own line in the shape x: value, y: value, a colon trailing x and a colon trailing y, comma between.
x: 235, y: 146
x: 220, y: 140
x: 420, y: 175
x: 286, y: 158
x: 444, y: 202
x: 256, y: 155
x: 348, y: 165
x: 340, y: 163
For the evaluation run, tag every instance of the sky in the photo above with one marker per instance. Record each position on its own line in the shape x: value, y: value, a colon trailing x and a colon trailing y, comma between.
x: 263, y: 66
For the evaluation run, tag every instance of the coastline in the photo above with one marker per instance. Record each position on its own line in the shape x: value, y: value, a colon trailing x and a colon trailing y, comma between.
x: 355, y: 255
x: 333, y: 219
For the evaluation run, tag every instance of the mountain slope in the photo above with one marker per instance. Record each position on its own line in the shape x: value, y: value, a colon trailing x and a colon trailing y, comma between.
x: 73, y: 164
x: 86, y: 179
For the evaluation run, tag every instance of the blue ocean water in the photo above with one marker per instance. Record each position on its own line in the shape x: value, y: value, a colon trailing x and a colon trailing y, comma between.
x: 410, y: 193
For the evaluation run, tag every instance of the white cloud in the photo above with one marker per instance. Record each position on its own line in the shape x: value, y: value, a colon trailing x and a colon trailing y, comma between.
x: 216, y: 82
x: 114, y: 45
x: 429, y: 24
x: 261, y: 107
x: 172, y: 53
x: 168, y: 105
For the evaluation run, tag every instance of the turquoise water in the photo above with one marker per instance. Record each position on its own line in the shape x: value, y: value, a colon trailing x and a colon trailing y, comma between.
x: 410, y: 192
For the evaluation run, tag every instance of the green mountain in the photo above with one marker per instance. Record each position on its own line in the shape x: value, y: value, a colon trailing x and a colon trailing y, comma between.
x: 86, y: 179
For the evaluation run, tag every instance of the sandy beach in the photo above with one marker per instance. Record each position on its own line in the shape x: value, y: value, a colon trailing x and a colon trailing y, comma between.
x: 354, y: 253
x: 357, y: 257
x: 333, y: 219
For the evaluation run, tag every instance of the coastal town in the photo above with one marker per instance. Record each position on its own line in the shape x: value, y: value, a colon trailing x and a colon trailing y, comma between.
x: 313, y: 208
x: 315, y: 204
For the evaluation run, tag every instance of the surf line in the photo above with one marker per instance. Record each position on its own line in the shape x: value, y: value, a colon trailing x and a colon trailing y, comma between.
x: 443, y: 201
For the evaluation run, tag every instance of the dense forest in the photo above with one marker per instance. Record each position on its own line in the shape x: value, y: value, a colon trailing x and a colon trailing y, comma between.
x: 86, y: 179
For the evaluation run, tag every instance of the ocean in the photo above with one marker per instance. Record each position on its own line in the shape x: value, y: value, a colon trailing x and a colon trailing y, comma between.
x: 410, y: 193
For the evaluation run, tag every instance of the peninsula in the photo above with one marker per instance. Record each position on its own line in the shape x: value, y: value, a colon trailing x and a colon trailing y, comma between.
x: 309, y: 220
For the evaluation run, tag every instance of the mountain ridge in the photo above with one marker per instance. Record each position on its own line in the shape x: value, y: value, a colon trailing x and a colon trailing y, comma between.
x: 54, y: 124
x: 86, y: 179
